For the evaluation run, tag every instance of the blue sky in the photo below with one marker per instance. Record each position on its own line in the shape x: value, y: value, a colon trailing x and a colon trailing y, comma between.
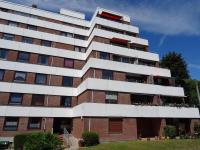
x: 169, y: 25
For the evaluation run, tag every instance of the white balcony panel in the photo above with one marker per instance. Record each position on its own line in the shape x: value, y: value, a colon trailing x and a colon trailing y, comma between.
x: 130, y: 87
x: 102, y: 47
x: 119, y: 110
x: 125, y: 67
x: 32, y: 48
x: 35, y: 111
x: 101, y: 110
x: 42, y: 35
x: 43, y: 13
x: 9, y: 65
x: 37, y: 89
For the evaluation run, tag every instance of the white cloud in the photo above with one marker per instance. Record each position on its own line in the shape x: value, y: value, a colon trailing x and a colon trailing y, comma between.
x: 168, y: 17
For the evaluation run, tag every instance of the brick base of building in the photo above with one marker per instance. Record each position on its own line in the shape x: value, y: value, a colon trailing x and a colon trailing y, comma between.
x: 132, y: 128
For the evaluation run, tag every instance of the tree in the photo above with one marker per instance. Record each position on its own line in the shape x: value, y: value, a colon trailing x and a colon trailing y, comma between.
x: 177, y: 65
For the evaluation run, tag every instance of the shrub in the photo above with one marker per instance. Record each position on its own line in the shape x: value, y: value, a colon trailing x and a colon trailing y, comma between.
x: 197, y: 129
x: 170, y: 131
x: 90, y: 138
x: 19, y: 141
x: 37, y: 141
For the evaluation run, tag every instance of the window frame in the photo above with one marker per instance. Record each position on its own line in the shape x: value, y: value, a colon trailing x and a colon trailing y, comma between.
x: 107, y: 74
x: 46, y: 41
x: 102, y: 55
x: 11, y: 23
x: 26, y: 39
x: 21, y: 81
x: 5, y: 128
x: 68, y: 59
x: 40, y: 62
x: 9, y: 37
x: 30, y: 27
x: 15, y: 103
x: 67, y: 85
x: 2, y: 70
x: 40, y: 74
x: 29, y: 123
x: 63, y: 101
x: 109, y: 100
x: 18, y: 57
x: 6, y: 53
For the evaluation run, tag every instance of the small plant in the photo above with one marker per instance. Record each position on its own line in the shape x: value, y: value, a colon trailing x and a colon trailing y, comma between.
x: 197, y: 130
x: 170, y: 131
x: 37, y: 141
x: 90, y: 138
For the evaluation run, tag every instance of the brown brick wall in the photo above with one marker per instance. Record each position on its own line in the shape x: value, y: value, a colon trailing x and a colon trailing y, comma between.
x: 124, y: 98
x: 9, y: 75
x: 12, y: 55
x: 119, y: 76
x: 84, y: 97
x: 30, y: 78
x: 4, y: 98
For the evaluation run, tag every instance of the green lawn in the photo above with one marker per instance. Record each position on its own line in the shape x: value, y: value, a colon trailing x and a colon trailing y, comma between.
x: 149, y: 145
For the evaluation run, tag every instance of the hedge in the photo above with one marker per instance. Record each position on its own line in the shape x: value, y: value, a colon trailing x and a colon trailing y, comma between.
x: 170, y: 131
x: 90, y: 138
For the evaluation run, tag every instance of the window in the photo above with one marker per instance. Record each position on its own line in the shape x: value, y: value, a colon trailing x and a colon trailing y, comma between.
x: 31, y: 27
x: 11, y: 123
x: 1, y: 74
x: 40, y: 78
x: 23, y: 57
x: 77, y: 36
x: 69, y: 63
x: 67, y: 34
x: 115, y: 125
x: 34, y: 123
x: 20, y: 76
x: 46, y: 43
x: 104, y: 55
x: 27, y: 40
x: 37, y: 100
x: 43, y: 59
x: 3, y: 53
x: 116, y: 58
x: 125, y: 59
x: 107, y: 74
x: 15, y: 98
x: 111, y: 97
x: 66, y: 101
x: 67, y: 81
x: 8, y: 36
x: 80, y: 49
x: 11, y: 23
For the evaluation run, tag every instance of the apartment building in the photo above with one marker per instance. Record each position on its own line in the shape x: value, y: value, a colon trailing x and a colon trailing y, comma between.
x: 59, y: 70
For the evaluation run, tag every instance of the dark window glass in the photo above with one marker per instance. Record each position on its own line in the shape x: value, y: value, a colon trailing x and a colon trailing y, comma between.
x: 67, y: 81
x: 31, y: 27
x: 107, y: 74
x: 34, y: 123
x: 111, y: 97
x: 66, y: 101
x: 3, y: 53
x: 104, y: 55
x: 11, y: 123
x: 125, y: 59
x: 23, y: 57
x: 116, y: 58
x: 37, y: 100
x: 43, y: 59
x: 67, y: 34
x: 77, y: 36
x: 15, y: 98
x: 8, y: 36
x: 41, y: 78
x: 20, y: 76
x: 11, y: 23
x: 46, y: 43
x: 69, y: 63
x: 2, y: 74
x: 27, y: 40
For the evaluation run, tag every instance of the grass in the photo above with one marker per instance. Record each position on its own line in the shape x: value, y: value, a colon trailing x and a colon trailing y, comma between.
x: 186, y: 144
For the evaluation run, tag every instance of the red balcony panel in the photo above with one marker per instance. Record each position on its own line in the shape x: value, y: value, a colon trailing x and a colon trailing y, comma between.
x: 121, y: 41
x: 110, y: 16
